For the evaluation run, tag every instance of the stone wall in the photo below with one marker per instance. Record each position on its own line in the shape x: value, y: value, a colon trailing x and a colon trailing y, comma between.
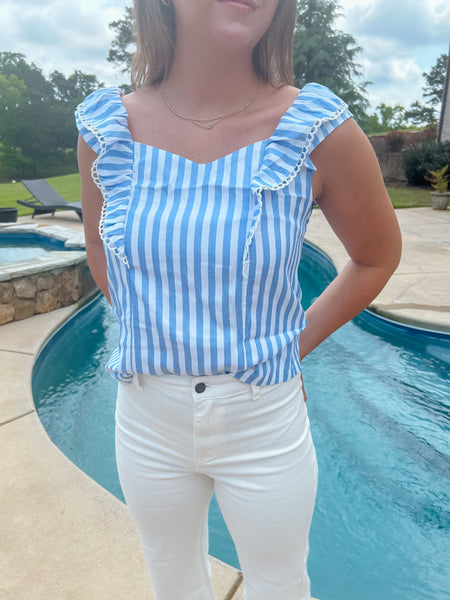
x: 24, y: 296
x: 388, y: 149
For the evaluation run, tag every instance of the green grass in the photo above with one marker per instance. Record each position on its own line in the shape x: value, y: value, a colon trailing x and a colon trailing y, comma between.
x: 69, y: 188
x: 66, y: 185
x: 409, y: 197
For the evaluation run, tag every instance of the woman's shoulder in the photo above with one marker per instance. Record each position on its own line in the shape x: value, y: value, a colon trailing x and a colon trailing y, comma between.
x: 142, y: 101
x: 141, y: 94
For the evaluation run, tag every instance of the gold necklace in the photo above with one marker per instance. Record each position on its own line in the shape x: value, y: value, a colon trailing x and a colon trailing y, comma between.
x: 208, y: 123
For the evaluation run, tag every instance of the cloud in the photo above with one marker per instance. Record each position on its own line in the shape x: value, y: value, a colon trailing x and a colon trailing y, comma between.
x: 400, y: 40
x: 62, y: 35
x: 409, y: 22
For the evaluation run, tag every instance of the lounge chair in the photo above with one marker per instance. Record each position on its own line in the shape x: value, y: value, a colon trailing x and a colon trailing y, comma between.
x: 45, y: 199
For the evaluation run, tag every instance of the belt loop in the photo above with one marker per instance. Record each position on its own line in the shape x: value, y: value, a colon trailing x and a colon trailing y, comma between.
x: 255, y: 391
x: 137, y: 383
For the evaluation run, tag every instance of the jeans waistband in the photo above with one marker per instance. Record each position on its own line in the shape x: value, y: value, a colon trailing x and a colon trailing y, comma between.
x: 215, y: 385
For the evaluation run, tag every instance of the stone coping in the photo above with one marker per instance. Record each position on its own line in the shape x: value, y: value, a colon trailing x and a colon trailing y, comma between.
x: 53, y: 259
x: 46, y: 282
x: 71, y: 238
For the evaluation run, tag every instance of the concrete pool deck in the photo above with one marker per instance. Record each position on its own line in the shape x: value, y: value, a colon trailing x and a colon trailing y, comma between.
x: 419, y: 291
x: 63, y: 537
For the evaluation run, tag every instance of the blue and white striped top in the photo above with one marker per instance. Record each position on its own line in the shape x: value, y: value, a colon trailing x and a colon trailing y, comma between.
x: 203, y: 258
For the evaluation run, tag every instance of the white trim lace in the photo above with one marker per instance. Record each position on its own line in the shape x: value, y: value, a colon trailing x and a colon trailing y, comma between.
x: 304, y: 154
x: 96, y: 179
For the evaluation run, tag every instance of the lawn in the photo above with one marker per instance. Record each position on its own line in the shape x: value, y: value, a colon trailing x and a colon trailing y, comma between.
x: 408, y: 197
x: 66, y: 185
x: 69, y: 188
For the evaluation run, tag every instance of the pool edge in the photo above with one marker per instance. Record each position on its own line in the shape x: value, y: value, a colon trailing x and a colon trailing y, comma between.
x: 404, y: 321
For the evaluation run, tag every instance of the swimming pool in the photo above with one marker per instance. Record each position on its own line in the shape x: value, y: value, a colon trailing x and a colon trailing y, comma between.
x: 26, y: 246
x: 380, y: 415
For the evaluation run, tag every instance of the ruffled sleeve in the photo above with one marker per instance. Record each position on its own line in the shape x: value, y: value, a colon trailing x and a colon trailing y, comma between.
x: 315, y: 113
x: 102, y: 121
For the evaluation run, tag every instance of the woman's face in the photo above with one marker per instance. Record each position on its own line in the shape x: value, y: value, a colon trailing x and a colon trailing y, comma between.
x: 236, y: 23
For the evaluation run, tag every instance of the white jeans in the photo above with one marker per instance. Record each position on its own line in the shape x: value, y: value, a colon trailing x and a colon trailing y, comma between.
x: 178, y: 441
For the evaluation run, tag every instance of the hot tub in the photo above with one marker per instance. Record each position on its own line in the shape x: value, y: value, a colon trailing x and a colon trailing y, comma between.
x: 42, y: 268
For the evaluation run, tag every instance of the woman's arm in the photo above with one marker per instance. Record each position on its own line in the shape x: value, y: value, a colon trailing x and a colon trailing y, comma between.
x: 350, y: 191
x: 91, y: 204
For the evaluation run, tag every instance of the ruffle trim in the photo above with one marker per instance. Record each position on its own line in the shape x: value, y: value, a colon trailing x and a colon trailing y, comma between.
x: 103, y: 115
x: 290, y: 145
x: 297, y: 135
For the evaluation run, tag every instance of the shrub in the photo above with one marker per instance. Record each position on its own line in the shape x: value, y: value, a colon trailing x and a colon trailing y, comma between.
x: 439, y: 180
x: 419, y: 159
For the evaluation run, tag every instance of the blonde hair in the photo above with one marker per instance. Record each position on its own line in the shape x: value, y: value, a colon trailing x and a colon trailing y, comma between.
x: 156, y: 38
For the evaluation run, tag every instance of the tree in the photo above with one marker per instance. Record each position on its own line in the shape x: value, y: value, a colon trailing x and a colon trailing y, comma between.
x: 24, y: 129
x: 385, y: 118
x: 75, y: 88
x: 392, y: 117
x: 68, y: 93
x: 12, y: 90
x: 435, y: 80
x: 12, y: 106
x: 422, y: 114
x: 326, y: 55
x: 419, y: 114
x: 122, y: 46
x: 37, y: 127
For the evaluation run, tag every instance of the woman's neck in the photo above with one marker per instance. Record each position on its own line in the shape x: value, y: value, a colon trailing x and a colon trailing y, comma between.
x: 203, y: 84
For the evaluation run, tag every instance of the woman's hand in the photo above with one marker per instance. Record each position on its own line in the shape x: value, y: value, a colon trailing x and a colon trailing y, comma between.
x: 91, y: 204
x: 350, y: 191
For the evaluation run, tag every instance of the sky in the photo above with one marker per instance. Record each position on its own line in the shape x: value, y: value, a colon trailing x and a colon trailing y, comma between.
x: 400, y: 39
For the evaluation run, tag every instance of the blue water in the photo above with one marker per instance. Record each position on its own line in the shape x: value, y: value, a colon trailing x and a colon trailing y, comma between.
x: 25, y: 246
x: 379, y: 406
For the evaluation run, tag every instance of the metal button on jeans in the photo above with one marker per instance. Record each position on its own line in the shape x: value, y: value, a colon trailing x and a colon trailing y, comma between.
x: 200, y: 388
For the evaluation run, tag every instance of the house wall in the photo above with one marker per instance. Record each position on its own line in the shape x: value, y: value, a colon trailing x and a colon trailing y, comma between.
x: 444, y: 129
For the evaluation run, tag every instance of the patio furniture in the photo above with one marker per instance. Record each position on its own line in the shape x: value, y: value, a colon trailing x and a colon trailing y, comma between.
x: 46, y: 199
x: 8, y: 214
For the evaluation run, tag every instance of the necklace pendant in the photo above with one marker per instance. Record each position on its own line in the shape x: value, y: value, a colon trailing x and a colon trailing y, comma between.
x: 207, y: 123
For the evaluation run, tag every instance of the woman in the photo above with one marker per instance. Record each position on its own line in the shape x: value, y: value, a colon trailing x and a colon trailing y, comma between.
x: 203, y: 180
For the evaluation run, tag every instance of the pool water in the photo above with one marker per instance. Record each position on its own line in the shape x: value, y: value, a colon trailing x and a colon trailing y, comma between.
x: 25, y: 246
x: 379, y: 406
